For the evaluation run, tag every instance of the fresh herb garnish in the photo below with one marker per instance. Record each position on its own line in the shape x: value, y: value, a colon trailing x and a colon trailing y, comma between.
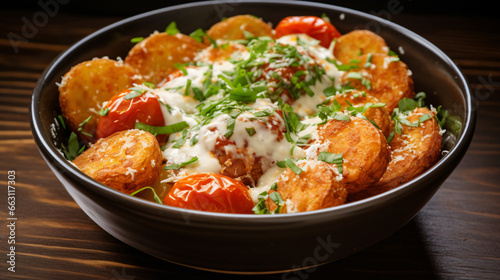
x: 156, y: 197
x: 104, y: 111
x: 158, y: 130
x: 290, y: 164
x: 368, y: 62
x: 134, y: 92
x: 150, y: 85
x: 182, y: 164
x: 73, y: 149
x: 261, y: 208
x: 250, y: 130
x: 181, y: 68
x: 136, y: 39
x: 336, y: 159
x: 80, y: 127
x: 198, y: 35
x: 357, y: 76
x: 343, y: 67
x: 172, y: 29
x: 61, y: 120
x: 400, y: 114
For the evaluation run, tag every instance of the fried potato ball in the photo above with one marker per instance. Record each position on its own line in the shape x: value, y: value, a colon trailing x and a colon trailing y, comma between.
x: 155, y: 57
x: 212, y: 54
x: 351, y: 45
x: 125, y: 161
x: 412, y: 152
x: 363, y: 147
x: 86, y: 86
x: 385, y: 77
x: 378, y: 115
x: 232, y: 28
x: 318, y: 186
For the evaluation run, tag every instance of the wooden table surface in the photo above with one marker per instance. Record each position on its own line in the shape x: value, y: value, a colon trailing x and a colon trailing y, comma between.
x: 455, y: 236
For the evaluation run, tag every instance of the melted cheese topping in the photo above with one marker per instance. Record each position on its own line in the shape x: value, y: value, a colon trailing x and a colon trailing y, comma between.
x: 257, y: 136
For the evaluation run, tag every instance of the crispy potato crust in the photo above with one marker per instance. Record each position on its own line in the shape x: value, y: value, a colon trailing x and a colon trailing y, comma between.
x: 232, y: 28
x: 390, y: 79
x: 318, y: 186
x: 211, y: 54
x: 86, y: 86
x: 358, y: 42
x: 155, y: 57
x: 363, y: 147
x: 125, y: 161
x: 412, y: 152
x: 378, y: 115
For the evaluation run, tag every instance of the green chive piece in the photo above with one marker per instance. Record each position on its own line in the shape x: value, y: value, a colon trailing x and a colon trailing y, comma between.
x: 250, y: 130
x: 158, y: 130
x: 104, y: 111
x: 188, y: 87
x: 172, y: 29
x: 198, y: 35
x: 289, y: 163
x: 182, y: 68
x: 156, y: 197
x: 134, y: 92
x: 182, y: 164
x: 336, y: 159
x: 85, y: 121
x: 150, y: 85
x: 73, y: 149
x: 390, y: 136
x: 136, y: 39
x: 61, y: 120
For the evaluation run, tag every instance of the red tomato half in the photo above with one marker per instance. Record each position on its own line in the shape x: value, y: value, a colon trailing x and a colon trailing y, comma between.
x: 124, y: 113
x: 315, y: 27
x: 210, y: 192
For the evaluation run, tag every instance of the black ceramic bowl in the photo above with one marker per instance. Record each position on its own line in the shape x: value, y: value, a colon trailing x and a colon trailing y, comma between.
x: 253, y: 243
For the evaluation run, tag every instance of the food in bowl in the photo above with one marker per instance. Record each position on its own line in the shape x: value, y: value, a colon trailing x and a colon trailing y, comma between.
x: 243, y: 118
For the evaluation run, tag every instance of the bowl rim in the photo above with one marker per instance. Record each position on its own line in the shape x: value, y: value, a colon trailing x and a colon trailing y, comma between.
x: 50, y: 152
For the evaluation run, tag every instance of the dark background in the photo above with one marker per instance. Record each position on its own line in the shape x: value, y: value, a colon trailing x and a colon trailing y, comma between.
x: 486, y: 8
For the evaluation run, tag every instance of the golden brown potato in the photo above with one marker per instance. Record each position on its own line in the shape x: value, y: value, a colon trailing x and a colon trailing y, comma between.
x: 155, y: 57
x: 356, y: 43
x: 125, y: 161
x: 363, y: 147
x: 412, y: 152
x: 232, y: 28
x: 211, y: 54
x: 86, y: 86
x: 388, y: 79
x: 318, y: 186
x: 378, y: 115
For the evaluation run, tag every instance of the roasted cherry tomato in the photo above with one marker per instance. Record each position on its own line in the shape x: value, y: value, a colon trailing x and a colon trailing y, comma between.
x: 210, y: 192
x: 122, y: 112
x: 315, y: 27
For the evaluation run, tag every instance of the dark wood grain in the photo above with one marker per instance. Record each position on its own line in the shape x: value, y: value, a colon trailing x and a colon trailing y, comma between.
x: 455, y: 236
